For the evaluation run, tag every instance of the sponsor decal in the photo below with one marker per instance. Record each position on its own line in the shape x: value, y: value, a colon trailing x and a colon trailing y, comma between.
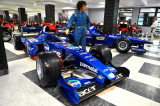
x: 87, y: 91
x: 32, y: 28
x: 32, y: 40
x: 88, y: 56
x: 46, y: 47
x: 88, y: 37
x: 74, y: 83
x: 97, y: 34
x: 111, y: 36
x: 88, y: 82
x: 58, y: 53
x: 83, y: 53
x: 93, y: 59
x: 73, y: 47
x: 88, y: 67
x: 63, y: 38
x: 100, y: 38
x: 105, y: 70
x: 140, y: 50
x: 32, y: 49
x: 100, y: 77
x: 65, y: 44
x: 111, y: 75
x: 110, y: 69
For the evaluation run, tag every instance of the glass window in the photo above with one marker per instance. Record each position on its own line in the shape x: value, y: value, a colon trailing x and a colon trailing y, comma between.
x: 148, y: 10
x: 151, y: 14
x: 158, y: 19
x: 140, y: 23
x: 158, y: 10
x: 128, y: 18
x: 141, y: 19
x: 141, y: 14
x: 126, y: 14
x: 158, y: 24
x: 158, y: 14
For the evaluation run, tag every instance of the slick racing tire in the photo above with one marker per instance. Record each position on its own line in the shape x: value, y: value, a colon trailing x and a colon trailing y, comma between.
x: 48, y: 68
x: 6, y: 36
x: 18, y: 45
x: 123, y: 45
x: 102, y: 53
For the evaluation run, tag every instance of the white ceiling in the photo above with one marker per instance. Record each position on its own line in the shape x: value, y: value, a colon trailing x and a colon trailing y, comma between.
x: 36, y: 6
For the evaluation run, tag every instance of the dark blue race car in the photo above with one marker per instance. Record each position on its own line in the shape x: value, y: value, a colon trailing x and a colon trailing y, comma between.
x: 58, y: 62
x: 122, y: 43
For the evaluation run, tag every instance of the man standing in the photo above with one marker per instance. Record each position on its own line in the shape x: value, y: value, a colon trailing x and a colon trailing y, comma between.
x: 82, y: 24
x: 153, y: 28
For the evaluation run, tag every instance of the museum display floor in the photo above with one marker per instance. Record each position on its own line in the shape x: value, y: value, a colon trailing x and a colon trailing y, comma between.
x: 20, y: 87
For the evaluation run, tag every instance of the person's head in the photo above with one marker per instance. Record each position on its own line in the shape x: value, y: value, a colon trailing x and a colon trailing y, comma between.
x: 155, y: 19
x: 81, y: 6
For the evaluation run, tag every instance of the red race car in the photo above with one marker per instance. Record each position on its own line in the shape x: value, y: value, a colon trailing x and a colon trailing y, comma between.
x: 128, y: 30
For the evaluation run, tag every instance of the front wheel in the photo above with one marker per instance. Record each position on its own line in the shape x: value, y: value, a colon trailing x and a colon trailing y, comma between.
x: 123, y: 45
x: 48, y: 68
x: 6, y: 36
x: 18, y: 45
x: 102, y: 53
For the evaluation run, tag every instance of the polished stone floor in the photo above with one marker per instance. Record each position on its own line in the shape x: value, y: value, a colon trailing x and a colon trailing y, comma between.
x: 20, y: 87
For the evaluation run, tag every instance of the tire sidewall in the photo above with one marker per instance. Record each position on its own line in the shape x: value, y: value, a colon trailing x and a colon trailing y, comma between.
x: 7, y: 34
x: 52, y: 72
x: 126, y: 41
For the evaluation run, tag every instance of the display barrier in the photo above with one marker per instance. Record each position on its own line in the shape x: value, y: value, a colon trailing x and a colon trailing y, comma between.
x: 3, y: 60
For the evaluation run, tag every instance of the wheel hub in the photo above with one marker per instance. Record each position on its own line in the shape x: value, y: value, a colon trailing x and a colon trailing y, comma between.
x: 122, y: 45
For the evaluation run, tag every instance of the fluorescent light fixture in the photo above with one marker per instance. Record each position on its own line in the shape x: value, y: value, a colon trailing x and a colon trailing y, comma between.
x: 49, y: 2
x: 68, y: 8
x: 101, y: 6
x: 101, y: 2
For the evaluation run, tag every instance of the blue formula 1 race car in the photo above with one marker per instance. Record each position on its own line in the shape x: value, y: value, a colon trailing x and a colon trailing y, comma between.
x: 58, y: 60
x: 34, y: 44
x: 122, y: 43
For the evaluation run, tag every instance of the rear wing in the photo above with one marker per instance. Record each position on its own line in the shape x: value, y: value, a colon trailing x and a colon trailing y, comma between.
x: 31, y: 29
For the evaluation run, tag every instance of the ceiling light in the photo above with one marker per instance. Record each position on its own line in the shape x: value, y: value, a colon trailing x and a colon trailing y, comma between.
x: 35, y: 4
x: 101, y: 2
x: 68, y: 8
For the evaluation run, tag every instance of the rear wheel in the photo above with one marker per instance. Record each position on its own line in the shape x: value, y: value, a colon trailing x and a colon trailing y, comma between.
x: 6, y: 36
x: 18, y: 45
x: 102, y: 53
x: 48, y: 68
x: 123, y: 45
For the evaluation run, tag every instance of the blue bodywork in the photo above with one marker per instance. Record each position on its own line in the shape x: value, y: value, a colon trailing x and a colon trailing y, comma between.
x: 76, y: 89
x: 97, y: 37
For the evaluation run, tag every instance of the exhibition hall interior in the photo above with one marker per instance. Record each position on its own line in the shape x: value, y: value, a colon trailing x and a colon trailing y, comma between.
x: 79, y: 52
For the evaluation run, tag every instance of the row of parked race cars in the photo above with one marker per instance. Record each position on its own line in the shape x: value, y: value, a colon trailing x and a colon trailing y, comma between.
x: 57, y: 59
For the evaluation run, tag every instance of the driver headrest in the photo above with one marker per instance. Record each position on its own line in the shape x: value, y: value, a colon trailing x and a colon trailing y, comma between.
x: 46, y: 29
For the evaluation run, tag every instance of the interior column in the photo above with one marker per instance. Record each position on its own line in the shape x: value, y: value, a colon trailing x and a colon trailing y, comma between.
x: 110, y: 16
x: 22, y: 15
x: 6, y: 15
x: 50, y: 13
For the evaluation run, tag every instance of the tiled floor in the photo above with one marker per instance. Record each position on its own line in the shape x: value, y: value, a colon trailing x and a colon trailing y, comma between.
x: 20, y: 87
